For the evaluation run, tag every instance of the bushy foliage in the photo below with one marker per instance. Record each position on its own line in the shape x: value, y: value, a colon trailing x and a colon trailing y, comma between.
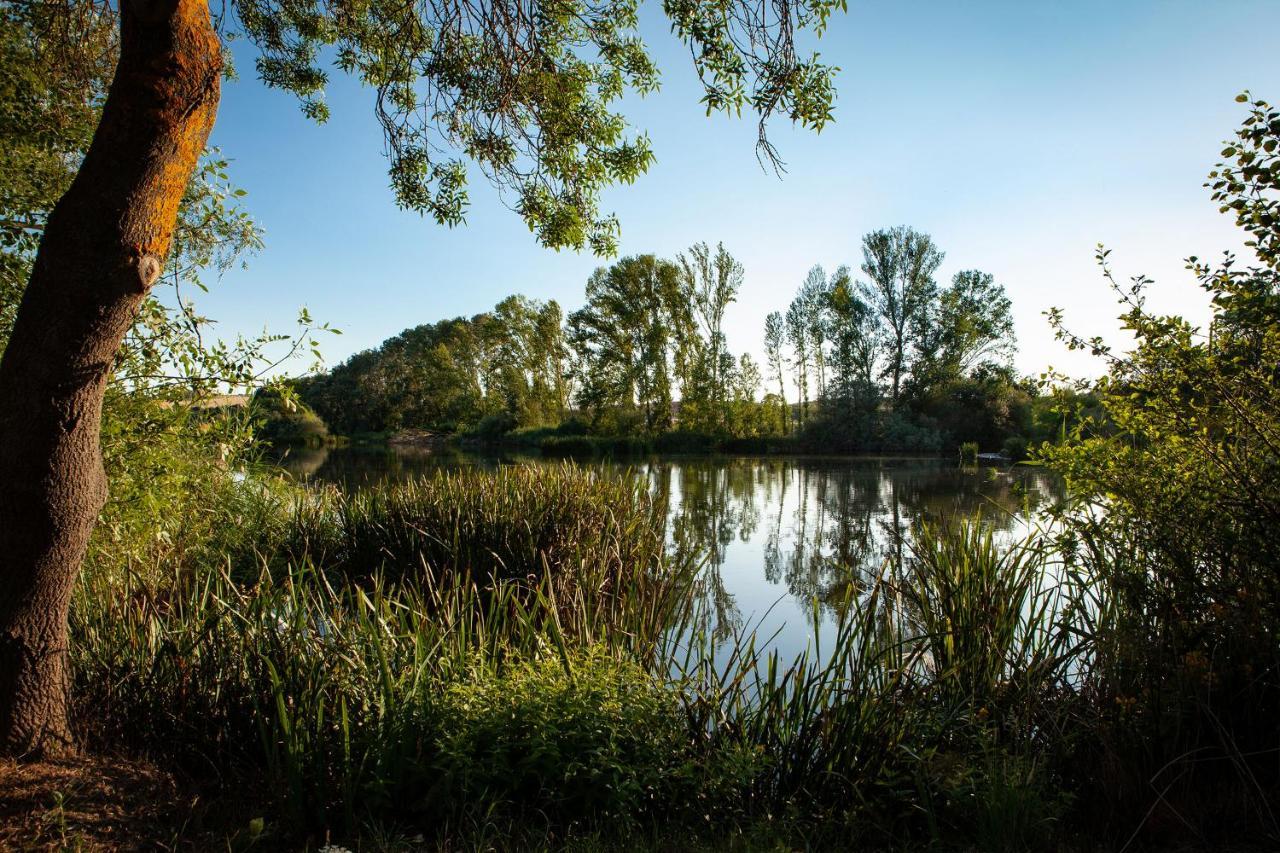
x: 531, y: 99
x: 508, y: 365
x: 1178, y: 492
x: 588, y: 738
x: 586, y: 446
x: 281, y: 419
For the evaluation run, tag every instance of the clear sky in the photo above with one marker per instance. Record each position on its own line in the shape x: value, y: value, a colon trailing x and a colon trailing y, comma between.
x: 1018, y: 134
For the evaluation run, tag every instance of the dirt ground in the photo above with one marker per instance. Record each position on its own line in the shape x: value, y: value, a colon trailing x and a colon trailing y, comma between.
x: 90, y: 803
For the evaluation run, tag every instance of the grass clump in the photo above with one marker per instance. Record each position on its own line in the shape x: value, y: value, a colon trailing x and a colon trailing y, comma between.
x: 382, y: 669
x: 590, y: 738
x: 987, y: 615
x: 516, y: 523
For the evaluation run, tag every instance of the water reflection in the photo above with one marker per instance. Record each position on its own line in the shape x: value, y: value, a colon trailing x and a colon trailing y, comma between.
x: 785, y: 542
x: 789, y: 534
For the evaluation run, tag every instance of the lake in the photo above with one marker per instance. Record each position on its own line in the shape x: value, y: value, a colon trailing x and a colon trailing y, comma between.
x: 782, y: 539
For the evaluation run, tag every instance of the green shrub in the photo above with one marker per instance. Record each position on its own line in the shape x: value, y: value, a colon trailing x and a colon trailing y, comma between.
x: 897, y: 433
x: 969, y: 453
x: 685, y: 441
x: 1015, y: 447
x: 573, y: 426
x: 589, y: 738
x: 284, y: 420
x: 568, y: 445
x: 1173, y: 528
x: 595, y: 445
x: 493, y: 426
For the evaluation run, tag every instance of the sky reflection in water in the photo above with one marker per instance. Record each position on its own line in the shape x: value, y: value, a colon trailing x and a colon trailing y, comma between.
x: 775, y: 534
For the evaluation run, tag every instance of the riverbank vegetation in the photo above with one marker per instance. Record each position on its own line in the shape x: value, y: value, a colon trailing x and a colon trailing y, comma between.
x: 885, y: 362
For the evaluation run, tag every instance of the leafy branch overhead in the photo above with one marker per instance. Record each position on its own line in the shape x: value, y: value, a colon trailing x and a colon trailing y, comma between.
x: 527, y: 91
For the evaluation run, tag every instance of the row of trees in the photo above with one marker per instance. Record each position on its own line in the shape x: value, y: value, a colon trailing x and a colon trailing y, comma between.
x: 509, y: 364
x: 850, y: 360
x: 649, y: 349
x: 894, y: 348
x: 646, y: 354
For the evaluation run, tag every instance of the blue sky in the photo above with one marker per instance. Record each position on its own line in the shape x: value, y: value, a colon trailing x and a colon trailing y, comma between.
x: 1018, y: 134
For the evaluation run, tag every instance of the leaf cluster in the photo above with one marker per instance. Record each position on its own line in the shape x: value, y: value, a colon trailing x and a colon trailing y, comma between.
x: 528, y: 91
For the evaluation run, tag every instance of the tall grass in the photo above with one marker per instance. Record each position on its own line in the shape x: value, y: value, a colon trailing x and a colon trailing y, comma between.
x: 517, y: 649
x: 355, y: 700
x: 988, y: 616
x: 931, y: 712
x: 516, y: 522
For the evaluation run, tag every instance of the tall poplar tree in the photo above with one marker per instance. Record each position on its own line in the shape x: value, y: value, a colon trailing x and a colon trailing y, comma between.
x: 775, y: 340
x: 712, y: 281
x: 900, y: 263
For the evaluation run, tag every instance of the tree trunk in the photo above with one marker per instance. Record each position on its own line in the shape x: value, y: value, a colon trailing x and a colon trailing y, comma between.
x: 782, y: 395
x: 103, y: 249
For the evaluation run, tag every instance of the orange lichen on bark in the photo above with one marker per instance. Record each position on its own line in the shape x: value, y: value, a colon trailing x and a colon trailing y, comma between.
x: 184, y: 81
x: 103, y: 246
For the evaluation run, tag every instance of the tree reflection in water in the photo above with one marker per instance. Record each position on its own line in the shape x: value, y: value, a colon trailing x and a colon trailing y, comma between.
x: 821, y: 529
x: 774, y: 535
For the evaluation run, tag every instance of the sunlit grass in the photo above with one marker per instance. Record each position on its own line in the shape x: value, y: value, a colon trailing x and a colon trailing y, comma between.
x: 479, y: 652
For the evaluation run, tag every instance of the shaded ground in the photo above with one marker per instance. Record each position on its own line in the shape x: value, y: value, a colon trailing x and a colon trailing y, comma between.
x: 89, y: 803
x: 117, y: 803
x: 113, y: 803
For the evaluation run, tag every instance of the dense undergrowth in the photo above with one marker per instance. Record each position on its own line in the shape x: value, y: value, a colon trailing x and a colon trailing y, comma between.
x: 510, y: 680
x: 438, y: 659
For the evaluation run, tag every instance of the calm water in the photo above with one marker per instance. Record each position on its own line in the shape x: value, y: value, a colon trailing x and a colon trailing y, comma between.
x: 783, y: 540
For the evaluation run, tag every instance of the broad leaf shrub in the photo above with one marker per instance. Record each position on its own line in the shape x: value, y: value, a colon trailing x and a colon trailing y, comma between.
x: 1174, y: 528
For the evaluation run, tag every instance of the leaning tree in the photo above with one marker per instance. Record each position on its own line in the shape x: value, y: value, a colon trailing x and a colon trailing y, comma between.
x: 526, y: 90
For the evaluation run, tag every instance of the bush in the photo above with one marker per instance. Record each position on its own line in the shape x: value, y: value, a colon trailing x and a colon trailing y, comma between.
x: 568, y: 445
x: 590, y: 737
x: 870, y: 432
x: 897, y: 433
x: 594, y: 445
x: 494, y: 426
x: 573, y: 426
x: 1173, y: 526
x: 969, y: 453
x: 284, y: 420
x: 685, y: 441
x: 1015, y: 447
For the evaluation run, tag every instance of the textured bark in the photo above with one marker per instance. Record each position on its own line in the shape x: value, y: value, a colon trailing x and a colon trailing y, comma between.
x: 103, y: 249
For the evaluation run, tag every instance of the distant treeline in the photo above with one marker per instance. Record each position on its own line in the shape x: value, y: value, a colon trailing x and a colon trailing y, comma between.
x: 888, y: 361
x: 510, y: 364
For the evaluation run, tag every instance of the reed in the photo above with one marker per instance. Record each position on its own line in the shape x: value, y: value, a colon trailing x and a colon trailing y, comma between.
x: 516, y: 649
